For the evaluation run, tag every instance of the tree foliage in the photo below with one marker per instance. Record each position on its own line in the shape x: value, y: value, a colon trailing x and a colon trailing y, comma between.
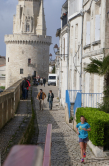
x: 53, y: 71
x: 101, y: 68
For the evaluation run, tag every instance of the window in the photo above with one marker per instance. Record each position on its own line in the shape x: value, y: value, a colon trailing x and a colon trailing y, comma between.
x: 88, y: 33
x: 52, y: 77
x: 91, y: 84
x: 97, y: 27
x: 21, y: 71
x: 29, y: 61
x: 64, y: 19
x: 8, y: 59
x: 27, y: 27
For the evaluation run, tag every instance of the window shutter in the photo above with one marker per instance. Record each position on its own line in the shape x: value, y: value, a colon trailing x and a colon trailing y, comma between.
x: 88, y: 33
x: 97, y: 27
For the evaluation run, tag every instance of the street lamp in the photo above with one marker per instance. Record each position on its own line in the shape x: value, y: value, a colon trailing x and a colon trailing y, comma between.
x: 56, y: 50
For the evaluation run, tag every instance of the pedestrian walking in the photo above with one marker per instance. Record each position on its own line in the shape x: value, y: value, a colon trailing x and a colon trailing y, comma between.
x: 41, y: 96
x: 24, y: 88
x: 50, y: 99
x: 82, y: 129
x: 44, y: 81
x: 41, y: 81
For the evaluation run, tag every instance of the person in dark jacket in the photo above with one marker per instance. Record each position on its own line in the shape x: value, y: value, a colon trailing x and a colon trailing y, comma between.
x: 50, y: 99
x: 44, y: 81
x: 24, y: 88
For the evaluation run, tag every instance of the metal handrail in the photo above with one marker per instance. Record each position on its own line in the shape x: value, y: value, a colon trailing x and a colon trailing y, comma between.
x: 24, y: 155
x: 47, y: 151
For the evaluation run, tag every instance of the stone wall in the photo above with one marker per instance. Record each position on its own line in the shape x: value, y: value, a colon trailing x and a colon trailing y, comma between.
x: 9, y: 100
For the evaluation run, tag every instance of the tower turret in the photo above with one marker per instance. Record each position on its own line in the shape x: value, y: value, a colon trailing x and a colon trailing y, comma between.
x: 29, y: 17
x: 27, y: 50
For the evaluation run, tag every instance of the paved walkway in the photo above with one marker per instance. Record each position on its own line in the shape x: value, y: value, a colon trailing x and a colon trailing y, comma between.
x: 65, y: 147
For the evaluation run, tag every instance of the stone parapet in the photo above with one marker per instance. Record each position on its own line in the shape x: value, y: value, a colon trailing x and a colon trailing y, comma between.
x: 9, y: 100
x: 27, y: 39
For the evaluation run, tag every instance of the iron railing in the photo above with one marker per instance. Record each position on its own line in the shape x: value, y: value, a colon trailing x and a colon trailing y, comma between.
x: 77, y: 102
x: 82, y: 99
x: 73, y: 94
x: 91, y: 99
x: 68, y: 102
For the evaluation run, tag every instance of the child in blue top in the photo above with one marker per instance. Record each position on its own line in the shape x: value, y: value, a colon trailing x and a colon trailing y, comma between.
x: 82, y: 129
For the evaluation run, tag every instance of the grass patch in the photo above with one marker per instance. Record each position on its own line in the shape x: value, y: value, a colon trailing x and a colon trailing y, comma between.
x: 2, y: 87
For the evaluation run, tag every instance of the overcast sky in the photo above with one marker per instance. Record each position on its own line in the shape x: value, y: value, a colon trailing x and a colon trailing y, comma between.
x: 52, y: 15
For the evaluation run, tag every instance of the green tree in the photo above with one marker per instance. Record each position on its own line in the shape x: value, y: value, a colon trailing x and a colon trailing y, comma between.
x: 101, y: 68
x: 53, y: 71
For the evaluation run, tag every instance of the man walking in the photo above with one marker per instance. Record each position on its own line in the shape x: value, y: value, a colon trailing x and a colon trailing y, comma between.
x: 41, y: 96
x: 50, y: 99
x: 44, y: 81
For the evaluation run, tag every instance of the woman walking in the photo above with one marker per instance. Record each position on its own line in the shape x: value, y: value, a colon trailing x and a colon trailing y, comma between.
x: 50, y: 99
x: 82, y: 129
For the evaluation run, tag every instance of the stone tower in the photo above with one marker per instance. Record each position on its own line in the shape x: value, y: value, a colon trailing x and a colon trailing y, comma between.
x: 27, y: 50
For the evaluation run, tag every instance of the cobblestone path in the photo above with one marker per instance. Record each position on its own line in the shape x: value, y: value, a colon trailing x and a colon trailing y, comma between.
x: 65, y: 147
x: 13, y: 130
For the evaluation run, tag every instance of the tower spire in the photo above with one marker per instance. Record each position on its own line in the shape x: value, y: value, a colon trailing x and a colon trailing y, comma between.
x: 41, y: 24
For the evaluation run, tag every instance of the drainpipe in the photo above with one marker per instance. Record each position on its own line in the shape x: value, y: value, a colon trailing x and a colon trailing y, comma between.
x: 82, y: 15
x: 68, y: 38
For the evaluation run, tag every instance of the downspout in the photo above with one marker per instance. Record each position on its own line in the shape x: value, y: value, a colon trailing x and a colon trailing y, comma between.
x: 68, y: 38
x: 81, y: 53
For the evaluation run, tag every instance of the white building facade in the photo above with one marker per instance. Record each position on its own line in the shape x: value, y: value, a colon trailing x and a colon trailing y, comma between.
x: 62, y: 67
x: 75, y: 43
x: 87, y: 37
x: 93, y: 42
